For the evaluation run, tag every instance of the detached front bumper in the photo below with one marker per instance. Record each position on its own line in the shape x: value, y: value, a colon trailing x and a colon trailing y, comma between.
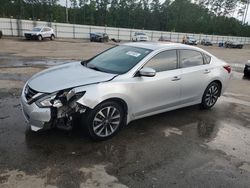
x: 38, y: 118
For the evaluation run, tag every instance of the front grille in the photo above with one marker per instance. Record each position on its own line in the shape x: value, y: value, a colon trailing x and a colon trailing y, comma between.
x: 27, y: 35
x: 29, y: 93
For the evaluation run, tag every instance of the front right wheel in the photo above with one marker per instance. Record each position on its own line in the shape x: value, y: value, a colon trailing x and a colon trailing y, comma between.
x: 104, y: 121
x: 52, y: 37
x: 211, y: 95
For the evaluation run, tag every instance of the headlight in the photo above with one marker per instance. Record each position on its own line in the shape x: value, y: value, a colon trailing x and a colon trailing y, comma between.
x: 46, y: 101
x: 59, y: 99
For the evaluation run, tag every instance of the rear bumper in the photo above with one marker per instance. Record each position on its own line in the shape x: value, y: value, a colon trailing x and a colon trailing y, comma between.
x: 38, y: 118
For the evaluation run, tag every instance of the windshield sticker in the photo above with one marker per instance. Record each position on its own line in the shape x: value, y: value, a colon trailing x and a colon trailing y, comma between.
x: 134, y: 54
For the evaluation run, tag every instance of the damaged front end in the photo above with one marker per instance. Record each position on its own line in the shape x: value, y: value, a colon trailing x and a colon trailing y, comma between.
x: 63, y: 107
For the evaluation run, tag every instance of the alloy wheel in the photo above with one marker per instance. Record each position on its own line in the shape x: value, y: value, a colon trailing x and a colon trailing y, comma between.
x: 212, y: 95
x: 106, y: 121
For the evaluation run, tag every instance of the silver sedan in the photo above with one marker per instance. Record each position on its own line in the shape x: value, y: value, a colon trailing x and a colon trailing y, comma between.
x: 122, y: 84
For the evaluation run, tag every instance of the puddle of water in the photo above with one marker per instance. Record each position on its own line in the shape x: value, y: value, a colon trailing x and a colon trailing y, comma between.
x: 232, y: 139
x: 98, y: 177
x: 172, y: 130
x: 228, y: 94
x: 14, y: 77
x: 22, y: 62
x: 234, y: 100
x: 245, y: 167
x: 19, y: 179
x: 94, y: 177
x: 5, y: 85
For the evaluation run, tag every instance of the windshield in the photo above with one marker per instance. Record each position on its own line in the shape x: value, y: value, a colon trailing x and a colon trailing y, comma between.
x: 118, y: 60
x: 191, y: 38
x: 36, y: 29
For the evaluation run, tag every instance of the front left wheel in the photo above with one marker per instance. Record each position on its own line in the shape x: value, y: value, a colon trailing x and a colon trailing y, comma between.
x: 104, y: 121
x: 40, y: 38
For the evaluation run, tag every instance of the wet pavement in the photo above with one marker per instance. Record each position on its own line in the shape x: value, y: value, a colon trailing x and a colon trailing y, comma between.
x: 188, y: 147
x: 183, y: 148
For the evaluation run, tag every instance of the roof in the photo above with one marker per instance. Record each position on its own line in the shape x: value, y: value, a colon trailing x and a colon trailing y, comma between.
x: 165, y: 46
x: 160, y: 45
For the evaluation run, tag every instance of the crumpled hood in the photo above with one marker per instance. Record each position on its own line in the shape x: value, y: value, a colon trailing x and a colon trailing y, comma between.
x: 66, y: 76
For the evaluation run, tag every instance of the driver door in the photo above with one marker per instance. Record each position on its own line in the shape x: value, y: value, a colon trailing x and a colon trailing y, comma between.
x: 161, y: 92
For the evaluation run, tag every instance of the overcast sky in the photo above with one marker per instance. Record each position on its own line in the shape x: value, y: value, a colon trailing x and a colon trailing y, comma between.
x: 63, y: 2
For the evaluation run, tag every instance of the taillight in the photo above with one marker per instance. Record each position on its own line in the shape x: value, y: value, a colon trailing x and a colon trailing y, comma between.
x: 228, y: 68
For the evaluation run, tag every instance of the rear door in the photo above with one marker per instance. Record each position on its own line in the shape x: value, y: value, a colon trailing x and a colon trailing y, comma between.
x: 195, y: 71
x: 46, y: 32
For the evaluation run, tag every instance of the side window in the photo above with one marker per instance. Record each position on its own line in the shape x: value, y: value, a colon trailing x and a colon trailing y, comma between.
x: 207, y: 58
x: 46, y: 29
x: 163, y: 61
x: 190, y: 58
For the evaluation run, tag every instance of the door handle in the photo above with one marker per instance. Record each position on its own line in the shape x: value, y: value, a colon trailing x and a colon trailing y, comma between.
x: 206, y: 71
x: 176, y: 78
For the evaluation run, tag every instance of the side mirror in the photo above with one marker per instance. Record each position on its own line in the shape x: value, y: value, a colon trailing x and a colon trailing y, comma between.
x: 147, y: 71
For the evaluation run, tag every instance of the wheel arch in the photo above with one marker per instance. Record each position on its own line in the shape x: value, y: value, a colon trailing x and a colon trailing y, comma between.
x: 119, y: 101
x: 218, y: 82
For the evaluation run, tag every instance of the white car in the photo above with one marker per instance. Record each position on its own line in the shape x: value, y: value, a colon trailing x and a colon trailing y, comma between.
x: 122, y: 84
x: 39, y: 33
x: 139, y: 36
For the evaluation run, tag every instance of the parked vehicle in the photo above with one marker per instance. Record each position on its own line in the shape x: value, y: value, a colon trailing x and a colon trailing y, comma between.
x: 233, y: 44
x: 206, y: 42
x: 1, y: 34
x: 189, y: 40
x: 164, y: 38
x: 247, y: 69
x: 139, y: 36
x: 40, y: 33
x: 125, y: 83
x: 221, y: 44
x: 99, y: 37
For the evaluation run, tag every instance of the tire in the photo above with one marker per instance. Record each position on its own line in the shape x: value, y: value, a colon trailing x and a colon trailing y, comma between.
x: 52, y: 37
x: 210, y: 95
x: 39, y: 37
x: 246, y: 73
x: 99, y: 122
